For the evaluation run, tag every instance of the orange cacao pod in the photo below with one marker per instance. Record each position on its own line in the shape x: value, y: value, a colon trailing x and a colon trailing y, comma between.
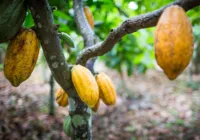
x: 95, y: 108
x: 61, y: 97
x: 106, y: 89
x: 85, y: 85
x: 173, y: 41
x: 21, y: 56
x: 89, y: 16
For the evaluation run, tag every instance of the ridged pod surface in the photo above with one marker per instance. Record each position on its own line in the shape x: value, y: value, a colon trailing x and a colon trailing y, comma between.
x: 21, y: 56
x: 61, y: 97
x: 67, y: 126
x: 173, y: 41
x: 95, y: 108
x: 89, y: 16
x: 85, y: 85
x: 106, y: 89
x: 12, y: 15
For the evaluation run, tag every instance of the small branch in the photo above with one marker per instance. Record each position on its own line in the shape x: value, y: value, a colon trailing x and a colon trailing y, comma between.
x: 48, y: 35
x: 85, y: 29
x: 129, y: 26
x: 82, y: 24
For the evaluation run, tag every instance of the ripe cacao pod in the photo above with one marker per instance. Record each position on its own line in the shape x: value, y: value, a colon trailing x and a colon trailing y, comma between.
x: 106, y: 89
x: 95, y: 108
x: 12, y: 15
x: 85, y: 85
x: 173, y: 41
x: 21, y: 56
x: 89, y: 16
x: 61, y: 97
x: 67, y: 125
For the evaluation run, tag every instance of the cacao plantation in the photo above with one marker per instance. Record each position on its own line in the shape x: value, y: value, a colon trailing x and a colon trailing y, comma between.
x: 112, y: 63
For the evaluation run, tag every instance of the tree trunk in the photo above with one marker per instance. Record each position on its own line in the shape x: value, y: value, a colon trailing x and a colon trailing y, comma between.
x: 81, y: 120
x: 51, y: 96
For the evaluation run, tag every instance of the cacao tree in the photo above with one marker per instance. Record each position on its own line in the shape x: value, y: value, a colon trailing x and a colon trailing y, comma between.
x: 80, y: 120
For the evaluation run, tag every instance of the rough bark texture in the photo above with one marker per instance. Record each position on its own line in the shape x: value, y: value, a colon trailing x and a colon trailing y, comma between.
x: 129, y: 26
x: 48, y: 35
x: 51, y: 96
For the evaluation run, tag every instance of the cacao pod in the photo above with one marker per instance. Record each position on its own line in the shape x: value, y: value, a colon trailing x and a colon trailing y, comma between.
x: 95, y: 108
x: 67, y: 125
x: 12, y: 15
x: 85, y: 85
x: 89, y: 16
x: 173, y: 41
x: 106, y: 89
x: 68, y: 40
x: 61, y: 97
x: 21, y: 56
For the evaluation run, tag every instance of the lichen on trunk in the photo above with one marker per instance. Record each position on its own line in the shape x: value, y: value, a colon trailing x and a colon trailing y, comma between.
x: 81, y: 119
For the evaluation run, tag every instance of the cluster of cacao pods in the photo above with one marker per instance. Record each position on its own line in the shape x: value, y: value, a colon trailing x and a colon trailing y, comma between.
x: 89, y: 88
x: 173, y: 41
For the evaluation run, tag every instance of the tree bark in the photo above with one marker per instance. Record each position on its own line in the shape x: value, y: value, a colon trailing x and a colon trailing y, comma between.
x: 51, y: 96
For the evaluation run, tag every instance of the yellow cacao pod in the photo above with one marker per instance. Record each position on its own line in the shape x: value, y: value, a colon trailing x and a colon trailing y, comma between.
x: 95, y: 108
x: 85, y: 85
x: 89, y: 16
x: 106, y: 89
x: 21, y: 56
x: 61, y: 97
x: 173, y: 41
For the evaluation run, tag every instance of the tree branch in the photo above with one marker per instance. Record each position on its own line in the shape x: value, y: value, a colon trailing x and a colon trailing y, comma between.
x: 129, y: 26
x: 82, y: 24
x: 48, y: 35
x: 85, y: 29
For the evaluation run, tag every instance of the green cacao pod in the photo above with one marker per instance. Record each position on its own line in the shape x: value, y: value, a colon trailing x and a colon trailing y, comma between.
x: 12, y: 15
x: 67, y: 125
x: 68, y: 40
